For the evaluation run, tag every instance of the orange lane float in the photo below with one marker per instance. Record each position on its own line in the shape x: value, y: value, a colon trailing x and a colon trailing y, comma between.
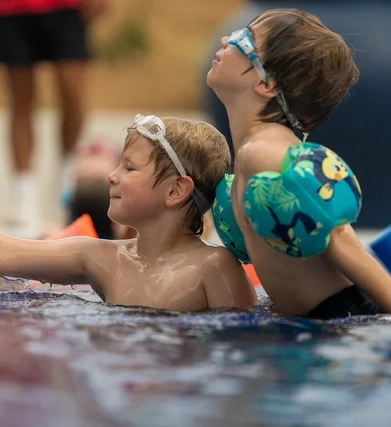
x: 83, y: 226
x: 249, y: 269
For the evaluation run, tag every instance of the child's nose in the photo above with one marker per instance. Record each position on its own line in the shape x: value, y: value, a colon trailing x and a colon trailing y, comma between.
x: 112, y: 178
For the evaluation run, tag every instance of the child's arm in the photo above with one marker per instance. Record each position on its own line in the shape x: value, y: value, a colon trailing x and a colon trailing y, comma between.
x: 346, y: 253
x: 226, y: 283
x: 61, y: 261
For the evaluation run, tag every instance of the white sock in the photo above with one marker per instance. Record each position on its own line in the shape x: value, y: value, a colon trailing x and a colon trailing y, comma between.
x: 67, y: 179
x: 25, y: 197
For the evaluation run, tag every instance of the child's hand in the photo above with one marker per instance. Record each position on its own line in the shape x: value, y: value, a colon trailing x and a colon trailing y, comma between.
x: 347, y: 255
x: 92, y: 9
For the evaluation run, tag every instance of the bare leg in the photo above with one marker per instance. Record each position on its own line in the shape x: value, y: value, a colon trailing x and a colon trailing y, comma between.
x: 24, y: 211
x: 21, y: 104
x: 71, y: 81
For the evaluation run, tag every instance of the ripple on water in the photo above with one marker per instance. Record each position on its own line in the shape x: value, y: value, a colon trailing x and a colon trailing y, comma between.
x: 68, y: 359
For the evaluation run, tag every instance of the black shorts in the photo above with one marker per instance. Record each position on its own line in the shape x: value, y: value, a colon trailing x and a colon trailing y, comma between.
x: 351, y: 301
x: 55, y: 36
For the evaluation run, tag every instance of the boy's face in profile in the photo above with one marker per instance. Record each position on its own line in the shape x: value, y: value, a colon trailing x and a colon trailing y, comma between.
x: 133, y: 197
x: 230, y: 70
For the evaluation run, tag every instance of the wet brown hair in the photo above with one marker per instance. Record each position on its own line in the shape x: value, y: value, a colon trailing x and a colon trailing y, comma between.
x: 203, y: 152
x: 310, y: 63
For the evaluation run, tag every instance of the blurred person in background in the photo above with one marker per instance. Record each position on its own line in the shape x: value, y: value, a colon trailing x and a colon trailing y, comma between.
x: 87, y: 191
x: 358, y: 128
x: 32, y: 32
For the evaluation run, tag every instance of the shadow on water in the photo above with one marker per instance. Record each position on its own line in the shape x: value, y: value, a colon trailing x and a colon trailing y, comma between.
x: 68, y: 361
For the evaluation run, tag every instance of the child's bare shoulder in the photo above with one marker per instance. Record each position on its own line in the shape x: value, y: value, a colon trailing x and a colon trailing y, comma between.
x: 225, y: 281
x: 216, y: 255
x: 259, y: 155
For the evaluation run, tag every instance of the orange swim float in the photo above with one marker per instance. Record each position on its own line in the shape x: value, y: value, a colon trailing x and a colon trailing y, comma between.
x: 249, y: 269
x: 83, y: 226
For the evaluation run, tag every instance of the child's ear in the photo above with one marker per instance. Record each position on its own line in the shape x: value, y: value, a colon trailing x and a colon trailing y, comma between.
x: 179, y: 191
x: 267, y: 89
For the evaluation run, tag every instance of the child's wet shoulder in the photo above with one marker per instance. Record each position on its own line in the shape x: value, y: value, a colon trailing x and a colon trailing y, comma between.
x: 214, y: 253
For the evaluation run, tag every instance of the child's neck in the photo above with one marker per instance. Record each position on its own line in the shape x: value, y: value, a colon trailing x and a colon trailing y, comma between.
x: 153, y: 241
x: 243, y: 119
x: 245, y: 125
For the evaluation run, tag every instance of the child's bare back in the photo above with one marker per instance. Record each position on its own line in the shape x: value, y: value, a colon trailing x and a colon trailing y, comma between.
x: 284, y: 73
x: 296, y: 285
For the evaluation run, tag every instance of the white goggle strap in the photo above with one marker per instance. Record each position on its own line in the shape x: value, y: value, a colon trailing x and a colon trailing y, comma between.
x: 199, y: 199
x: 171, y: 154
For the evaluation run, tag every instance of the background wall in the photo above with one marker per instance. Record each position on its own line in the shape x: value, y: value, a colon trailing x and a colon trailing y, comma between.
x: 149, y: 54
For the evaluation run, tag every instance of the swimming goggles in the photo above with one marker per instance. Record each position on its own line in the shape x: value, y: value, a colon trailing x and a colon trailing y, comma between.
x: 241, y: 39
x: 153, y: 128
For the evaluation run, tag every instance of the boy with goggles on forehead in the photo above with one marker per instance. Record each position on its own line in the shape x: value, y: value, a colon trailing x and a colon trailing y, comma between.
x: 289, y: 204
x: 164, y: 184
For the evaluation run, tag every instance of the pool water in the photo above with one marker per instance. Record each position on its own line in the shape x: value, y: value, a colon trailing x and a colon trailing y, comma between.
x: 68, y: 360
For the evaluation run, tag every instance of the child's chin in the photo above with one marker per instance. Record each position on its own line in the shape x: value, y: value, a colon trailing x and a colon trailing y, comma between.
x: 210, y: 78
x: 112, y: 216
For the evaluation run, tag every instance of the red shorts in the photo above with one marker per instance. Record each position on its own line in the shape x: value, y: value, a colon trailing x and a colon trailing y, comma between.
x: 25, y: 7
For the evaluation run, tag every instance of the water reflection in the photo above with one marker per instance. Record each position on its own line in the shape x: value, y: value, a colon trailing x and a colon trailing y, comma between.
x: 68, y: 361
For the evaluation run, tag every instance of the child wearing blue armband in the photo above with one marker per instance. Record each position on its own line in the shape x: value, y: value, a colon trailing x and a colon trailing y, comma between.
x: 289, y: 205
